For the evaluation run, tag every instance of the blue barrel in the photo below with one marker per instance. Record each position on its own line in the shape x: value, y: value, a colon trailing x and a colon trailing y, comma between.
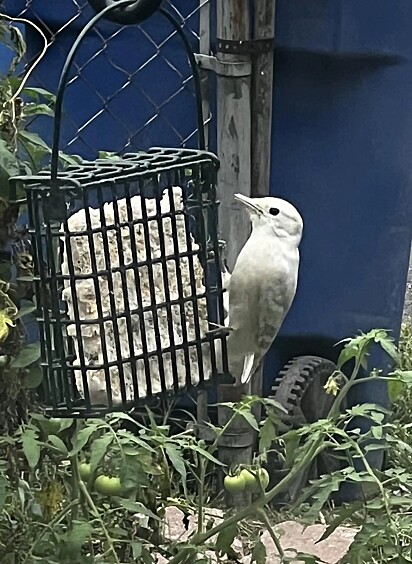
x: 342, y: 132
x: 134, y: 88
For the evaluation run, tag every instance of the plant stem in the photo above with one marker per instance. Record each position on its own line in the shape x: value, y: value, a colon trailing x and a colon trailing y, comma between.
x: 334, y: 410
x: 74, y: 464
x: 262, y: 514
x: 201, y: 494
x: 96, y: 513
x: 202, y: 474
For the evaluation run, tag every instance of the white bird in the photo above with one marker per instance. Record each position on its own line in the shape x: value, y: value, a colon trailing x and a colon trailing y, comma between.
x: 263, y: 282
x: 225, y: 286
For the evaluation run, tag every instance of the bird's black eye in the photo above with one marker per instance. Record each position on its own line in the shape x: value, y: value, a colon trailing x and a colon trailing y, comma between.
x: 274, y: 211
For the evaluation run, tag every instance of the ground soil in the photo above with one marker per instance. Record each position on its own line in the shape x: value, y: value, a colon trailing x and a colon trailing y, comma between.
x: 292, y: 535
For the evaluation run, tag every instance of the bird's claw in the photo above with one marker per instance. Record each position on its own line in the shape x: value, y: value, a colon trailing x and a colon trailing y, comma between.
x: 220, y: 330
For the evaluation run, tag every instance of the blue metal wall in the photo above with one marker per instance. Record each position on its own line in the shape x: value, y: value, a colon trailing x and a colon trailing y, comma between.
x: 342, y: 138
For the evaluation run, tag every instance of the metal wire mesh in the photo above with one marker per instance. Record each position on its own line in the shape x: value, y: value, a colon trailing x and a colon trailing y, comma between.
x: 131, y: 86
x: 127, y: 290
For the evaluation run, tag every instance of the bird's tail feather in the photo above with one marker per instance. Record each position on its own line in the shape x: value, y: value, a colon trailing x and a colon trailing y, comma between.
x: 248, y: 368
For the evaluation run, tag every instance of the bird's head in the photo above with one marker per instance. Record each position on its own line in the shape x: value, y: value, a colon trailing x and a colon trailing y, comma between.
x: 274, y: 213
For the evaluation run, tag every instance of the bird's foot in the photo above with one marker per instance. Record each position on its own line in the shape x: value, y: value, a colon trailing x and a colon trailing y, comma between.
x: 219, y: 331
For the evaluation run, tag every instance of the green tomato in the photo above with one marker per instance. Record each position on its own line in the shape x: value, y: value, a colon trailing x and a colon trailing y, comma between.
x: 264, y: 478
x: 252, y: 479
x: 108, y: 486
x: 85, y: 471
x: 234, y: 484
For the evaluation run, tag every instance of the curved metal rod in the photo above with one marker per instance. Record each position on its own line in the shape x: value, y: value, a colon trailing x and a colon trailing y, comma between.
x: 66, y: 68
x: 133, y: 14
x: 62, y: 84
x: 195, y: 73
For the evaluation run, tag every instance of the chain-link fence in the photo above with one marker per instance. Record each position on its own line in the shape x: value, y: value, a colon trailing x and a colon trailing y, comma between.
x: 131, y: 87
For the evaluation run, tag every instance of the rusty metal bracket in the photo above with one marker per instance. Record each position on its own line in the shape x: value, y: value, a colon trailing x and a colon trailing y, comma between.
x: 223, y: 68
x: 252, y: 47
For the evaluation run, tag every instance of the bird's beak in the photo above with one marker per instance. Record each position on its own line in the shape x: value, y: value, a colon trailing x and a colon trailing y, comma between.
x: 249, y: 203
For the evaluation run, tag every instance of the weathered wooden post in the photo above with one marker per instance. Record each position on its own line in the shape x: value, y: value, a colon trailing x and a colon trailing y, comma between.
x: 234, y: 150
x: 261, y: 104
x: 243, y: 144
x: 234, y: 120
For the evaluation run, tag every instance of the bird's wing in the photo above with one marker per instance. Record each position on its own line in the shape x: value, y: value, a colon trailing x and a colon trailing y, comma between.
x: 274, y: 303
x: 226, y: 276
x: 244, y: 321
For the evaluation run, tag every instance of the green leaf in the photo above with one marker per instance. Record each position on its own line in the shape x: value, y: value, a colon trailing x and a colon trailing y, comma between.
x: 405, y: 376
x: 31, y: 447
x: 344, y: 514
x: 137, y: 507
x: 8, y: 161
x: 38, y: 93
x: 3, y: 492
x: 273, y: 403
x: 136, y: 549
x: 99, y: 448
x: 26, y: 310
x: 117, y: 532
x: 267, y: 434
x: 108, y: 155
x: 147, y: 557
x: 370, y: 411
x: 377, y: 432
x: 305, y: 558
x: 225, y: 539
x: 34, y: 139
x: 128, y: 437
x: 27, y: 356
x: 206, y: 454
x: 65, y: 424
x: 250, y: 418
x: 35, y: 148
x: 132, y: 474
x: 291, y: 446
x: 115, y: 417
x: 33, y: 378
x: 259, y: 553
x: 58, y: 444
x: 177, y: 461
x: 76, y: 538
x: 70, y: 159
x: 320, y: 491
x: 83, y: 436
x: 19, y: 46
x: 395, y: 390
x: 30, y: 110
x: 387, y: 343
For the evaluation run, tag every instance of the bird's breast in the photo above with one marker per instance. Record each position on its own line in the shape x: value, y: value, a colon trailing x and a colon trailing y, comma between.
x: 265, y: 262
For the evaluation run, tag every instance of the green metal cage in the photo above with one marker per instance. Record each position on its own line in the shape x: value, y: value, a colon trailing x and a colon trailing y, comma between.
x: 127, y: 280
x: 127, y: 271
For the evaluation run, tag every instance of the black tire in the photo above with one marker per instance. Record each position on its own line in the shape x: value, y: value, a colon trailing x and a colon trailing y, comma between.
x: 299, y: 388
